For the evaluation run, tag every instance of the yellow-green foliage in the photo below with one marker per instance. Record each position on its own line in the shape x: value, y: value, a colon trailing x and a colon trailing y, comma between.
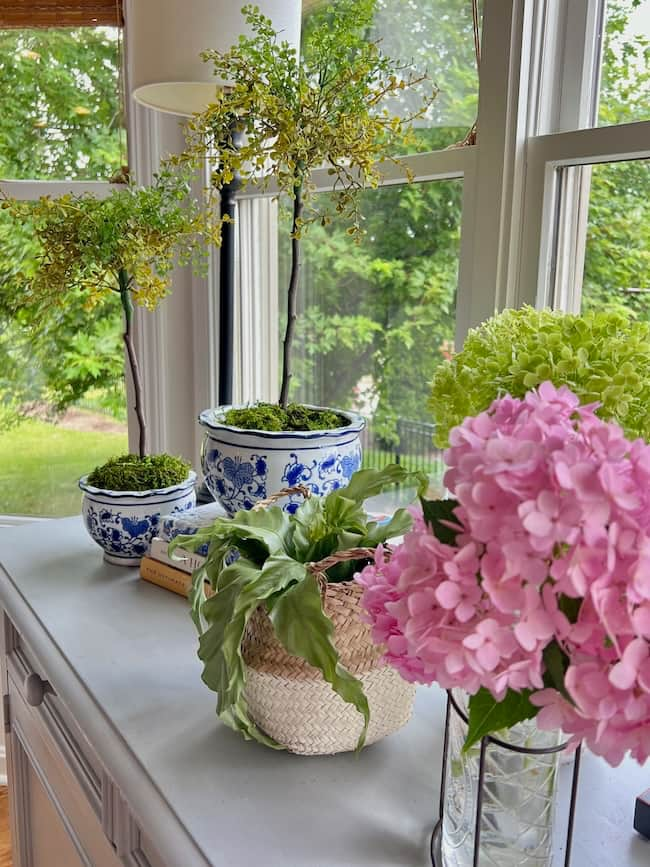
x: 328, y: 110
x: 85, y: 243
x: 602, y: 356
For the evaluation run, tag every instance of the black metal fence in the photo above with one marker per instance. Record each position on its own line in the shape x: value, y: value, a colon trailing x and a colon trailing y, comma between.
x: 414, y: 450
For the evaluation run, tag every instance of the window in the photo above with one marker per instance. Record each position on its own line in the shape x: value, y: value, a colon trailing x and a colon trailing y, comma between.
x: 378, y: 316
x: 62, y: 398
x: 522, y: 192
x: 617, y: 252
x: 625, y: 78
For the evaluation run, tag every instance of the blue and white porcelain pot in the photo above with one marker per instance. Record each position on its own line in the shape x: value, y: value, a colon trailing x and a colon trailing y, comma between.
x: 244, y: 466
x: 123, y: 523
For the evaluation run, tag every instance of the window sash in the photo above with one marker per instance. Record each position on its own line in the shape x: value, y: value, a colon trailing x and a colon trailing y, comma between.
x: 556, y: 207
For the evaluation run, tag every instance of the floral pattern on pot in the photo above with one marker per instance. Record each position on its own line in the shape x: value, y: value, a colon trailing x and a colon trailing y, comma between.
x: 322, y: 476
x: 124, y: 523
x: 244, y: 466
x: 237, y: 483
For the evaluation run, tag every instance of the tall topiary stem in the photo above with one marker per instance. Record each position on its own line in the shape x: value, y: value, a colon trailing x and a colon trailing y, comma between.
x: 292, y: 296
x: 127, y: 305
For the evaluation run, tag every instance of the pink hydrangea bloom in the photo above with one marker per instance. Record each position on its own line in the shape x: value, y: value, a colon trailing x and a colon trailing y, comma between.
x: 554, y: 546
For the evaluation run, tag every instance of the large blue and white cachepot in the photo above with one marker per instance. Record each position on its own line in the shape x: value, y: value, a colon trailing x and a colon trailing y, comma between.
x: 123, y: 523
x: 244, y: 466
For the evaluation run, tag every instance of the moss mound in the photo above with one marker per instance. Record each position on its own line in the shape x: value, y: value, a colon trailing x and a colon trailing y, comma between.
x: 296, y: 417
x: 133, y: 473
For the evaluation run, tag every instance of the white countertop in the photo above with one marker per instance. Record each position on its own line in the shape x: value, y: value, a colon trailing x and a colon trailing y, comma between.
x: 122, y: 655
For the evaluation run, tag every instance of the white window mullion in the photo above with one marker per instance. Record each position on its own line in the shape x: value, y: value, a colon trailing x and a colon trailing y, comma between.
x: 489, y: 234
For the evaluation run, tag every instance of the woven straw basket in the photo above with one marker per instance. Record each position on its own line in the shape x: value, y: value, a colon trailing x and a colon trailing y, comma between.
x: 288, y: 698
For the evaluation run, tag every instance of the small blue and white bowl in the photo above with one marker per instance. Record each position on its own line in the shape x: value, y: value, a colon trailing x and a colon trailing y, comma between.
x: 123, y: 523
x: 244, y: 466
x: 190, y: 522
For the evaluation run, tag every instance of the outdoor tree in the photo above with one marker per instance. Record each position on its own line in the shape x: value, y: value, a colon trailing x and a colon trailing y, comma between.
x: 383, y: 314
x: 61, y: 118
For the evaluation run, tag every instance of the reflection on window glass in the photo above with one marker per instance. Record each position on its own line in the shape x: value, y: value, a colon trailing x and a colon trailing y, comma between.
x: 625, y: 84
x: 378, y: 317
x: 617, y: 257
x: 62, y: 400
x: 61, y: 115
x: 436, y: 38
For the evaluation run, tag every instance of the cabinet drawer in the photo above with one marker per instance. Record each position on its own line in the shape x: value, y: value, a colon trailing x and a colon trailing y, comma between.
x: 35, y: 755
x: 39, y: 695
x: 45, y: 735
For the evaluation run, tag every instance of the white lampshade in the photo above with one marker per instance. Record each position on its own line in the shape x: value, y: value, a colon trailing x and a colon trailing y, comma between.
x: 183, y: 98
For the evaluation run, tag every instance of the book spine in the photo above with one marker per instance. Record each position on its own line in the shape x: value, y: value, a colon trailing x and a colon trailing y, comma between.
x: 165, y: 576
x: 168, y: 577
x: 188, y: 563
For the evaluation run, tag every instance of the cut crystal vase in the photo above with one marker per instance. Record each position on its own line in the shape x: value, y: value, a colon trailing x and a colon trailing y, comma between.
x: 498, y: 798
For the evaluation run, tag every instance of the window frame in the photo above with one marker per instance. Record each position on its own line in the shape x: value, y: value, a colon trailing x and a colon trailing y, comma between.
x: 538, y: 100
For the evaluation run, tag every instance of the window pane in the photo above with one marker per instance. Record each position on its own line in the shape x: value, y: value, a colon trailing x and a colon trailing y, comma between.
x: 617, y: 256
x: 378, y: 317
x: 62, y: 400
x: 61, y: 115
x: 436, y: 36
x: 625, y: 84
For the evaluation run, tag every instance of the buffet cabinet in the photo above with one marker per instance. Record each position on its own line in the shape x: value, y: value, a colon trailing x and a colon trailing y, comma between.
x: 65, y: 809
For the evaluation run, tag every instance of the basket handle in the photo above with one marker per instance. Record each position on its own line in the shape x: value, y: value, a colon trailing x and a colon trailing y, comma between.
x: 340, y: 557
x: 285, y: 492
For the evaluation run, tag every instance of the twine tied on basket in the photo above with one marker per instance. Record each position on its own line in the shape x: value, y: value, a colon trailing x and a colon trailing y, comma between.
x: 320, y: 568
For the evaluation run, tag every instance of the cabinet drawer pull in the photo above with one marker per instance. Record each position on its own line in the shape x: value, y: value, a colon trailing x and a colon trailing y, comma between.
x: 36, y: 689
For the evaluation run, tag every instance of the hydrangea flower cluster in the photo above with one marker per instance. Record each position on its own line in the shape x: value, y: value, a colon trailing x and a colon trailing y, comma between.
x: 552, y: 551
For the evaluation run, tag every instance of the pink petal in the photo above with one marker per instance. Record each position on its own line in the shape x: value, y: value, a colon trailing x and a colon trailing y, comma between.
x: 448, y: 594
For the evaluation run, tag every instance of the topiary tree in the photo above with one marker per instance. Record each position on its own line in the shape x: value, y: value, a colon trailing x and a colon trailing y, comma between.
x: 125, y: 244
x: 295, y: 117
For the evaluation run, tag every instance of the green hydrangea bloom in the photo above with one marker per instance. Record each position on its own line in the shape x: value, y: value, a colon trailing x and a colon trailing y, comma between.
x: 602, y: 356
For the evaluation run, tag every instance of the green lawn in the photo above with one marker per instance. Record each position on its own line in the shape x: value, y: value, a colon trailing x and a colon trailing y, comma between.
x: 40, y: 464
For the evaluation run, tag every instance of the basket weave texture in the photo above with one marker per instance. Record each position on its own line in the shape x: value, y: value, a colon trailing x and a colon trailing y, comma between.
x: 289, y: 700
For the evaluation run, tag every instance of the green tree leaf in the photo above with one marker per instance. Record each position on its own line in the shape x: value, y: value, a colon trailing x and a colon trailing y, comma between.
x: 438, y: 514
x: 488, y: 716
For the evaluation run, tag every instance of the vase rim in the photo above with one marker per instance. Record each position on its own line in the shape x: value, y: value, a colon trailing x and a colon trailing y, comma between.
x: 209, y: 419
x: 142, y: 495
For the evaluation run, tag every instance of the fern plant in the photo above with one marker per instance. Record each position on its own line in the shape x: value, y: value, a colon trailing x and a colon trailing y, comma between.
x: 273, y: 549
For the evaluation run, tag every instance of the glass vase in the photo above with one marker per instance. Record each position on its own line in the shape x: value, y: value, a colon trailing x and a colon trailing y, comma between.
x: 498, y: 798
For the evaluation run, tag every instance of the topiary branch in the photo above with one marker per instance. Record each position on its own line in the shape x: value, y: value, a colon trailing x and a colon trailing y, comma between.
x: 292, y: 297
x: 127, y: 307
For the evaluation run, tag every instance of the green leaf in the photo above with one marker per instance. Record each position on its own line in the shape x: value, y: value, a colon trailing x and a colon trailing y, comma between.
x: 378, y: 533
x: 305, y: 631
x: 555, y: 665
x: 488, y: 716
x: 436, y: 514
x: 241, y: 588
x: 369, y: 483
